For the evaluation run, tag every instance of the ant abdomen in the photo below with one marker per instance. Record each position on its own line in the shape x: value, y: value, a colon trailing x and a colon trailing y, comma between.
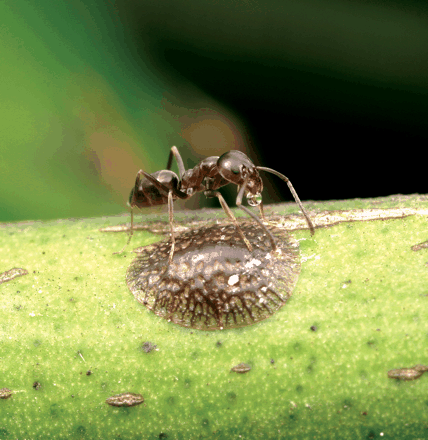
x: 147, y: 194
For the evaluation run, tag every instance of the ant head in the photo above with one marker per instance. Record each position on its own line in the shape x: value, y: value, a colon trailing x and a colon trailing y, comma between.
x: 186, y: 183
x: 254, y: 189
x: 235, y: 167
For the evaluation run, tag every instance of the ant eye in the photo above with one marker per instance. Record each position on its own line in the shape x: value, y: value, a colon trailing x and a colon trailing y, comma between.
x: 235, y: 170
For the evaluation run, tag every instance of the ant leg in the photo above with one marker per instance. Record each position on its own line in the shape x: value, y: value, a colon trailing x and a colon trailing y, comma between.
x: 171, y: 253
x: 131, y: 201
x: 138, y: 179
x: 130, y: 234
x: 262, y: 213
x: 171, y: 192
x: 181, y: 169
x: 171, y: 224
x: 211, y: 193
x: 296, y: 197
x: 239, y: 205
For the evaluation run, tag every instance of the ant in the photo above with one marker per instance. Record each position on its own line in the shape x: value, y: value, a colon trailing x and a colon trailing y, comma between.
x: 163, y: 187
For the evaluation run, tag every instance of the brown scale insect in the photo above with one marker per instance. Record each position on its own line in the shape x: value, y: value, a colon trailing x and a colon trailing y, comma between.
x: 213, y: 281
x: 125, y: 399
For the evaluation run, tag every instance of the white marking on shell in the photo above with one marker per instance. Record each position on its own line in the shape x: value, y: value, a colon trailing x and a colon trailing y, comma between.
x: 253, y: 262
x: 196, y: 258
x: 233, y: 280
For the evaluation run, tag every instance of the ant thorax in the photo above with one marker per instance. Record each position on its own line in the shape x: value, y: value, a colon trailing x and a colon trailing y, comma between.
x: 186, y: 183
x: 195, y: 179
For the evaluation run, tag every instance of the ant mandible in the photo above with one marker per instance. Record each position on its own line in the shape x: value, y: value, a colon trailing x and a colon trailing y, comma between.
x: 163, y: 187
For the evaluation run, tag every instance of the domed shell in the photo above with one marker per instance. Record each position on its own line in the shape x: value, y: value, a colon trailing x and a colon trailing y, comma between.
x: 214, y: 282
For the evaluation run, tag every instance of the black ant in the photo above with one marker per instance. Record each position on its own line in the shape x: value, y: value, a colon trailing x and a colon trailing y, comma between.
x: 163, y: 187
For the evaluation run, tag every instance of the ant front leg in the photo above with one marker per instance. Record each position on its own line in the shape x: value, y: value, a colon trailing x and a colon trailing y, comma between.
x: 211, y: 193
x: 239, y: 205
x: 262, y: 213
x: 131, y: 204
x: 171, y: 225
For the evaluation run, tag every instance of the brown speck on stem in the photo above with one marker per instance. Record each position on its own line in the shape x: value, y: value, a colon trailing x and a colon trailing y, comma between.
x: 241, y: 368
x: 148, y: 347
x: 5, y: 393
x: 408, y: 373
x: 12, y: 273
x: 418, y: 247
x: 125, y: 399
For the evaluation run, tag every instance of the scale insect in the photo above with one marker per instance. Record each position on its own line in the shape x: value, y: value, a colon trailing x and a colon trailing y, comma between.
x: 213, y: 282
x: 163, y: 187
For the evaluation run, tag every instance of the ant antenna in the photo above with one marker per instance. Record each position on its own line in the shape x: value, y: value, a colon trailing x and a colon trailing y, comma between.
x: 296, y: 197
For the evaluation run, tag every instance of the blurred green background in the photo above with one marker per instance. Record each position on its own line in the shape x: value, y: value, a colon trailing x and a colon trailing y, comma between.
x: 93, y: 91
